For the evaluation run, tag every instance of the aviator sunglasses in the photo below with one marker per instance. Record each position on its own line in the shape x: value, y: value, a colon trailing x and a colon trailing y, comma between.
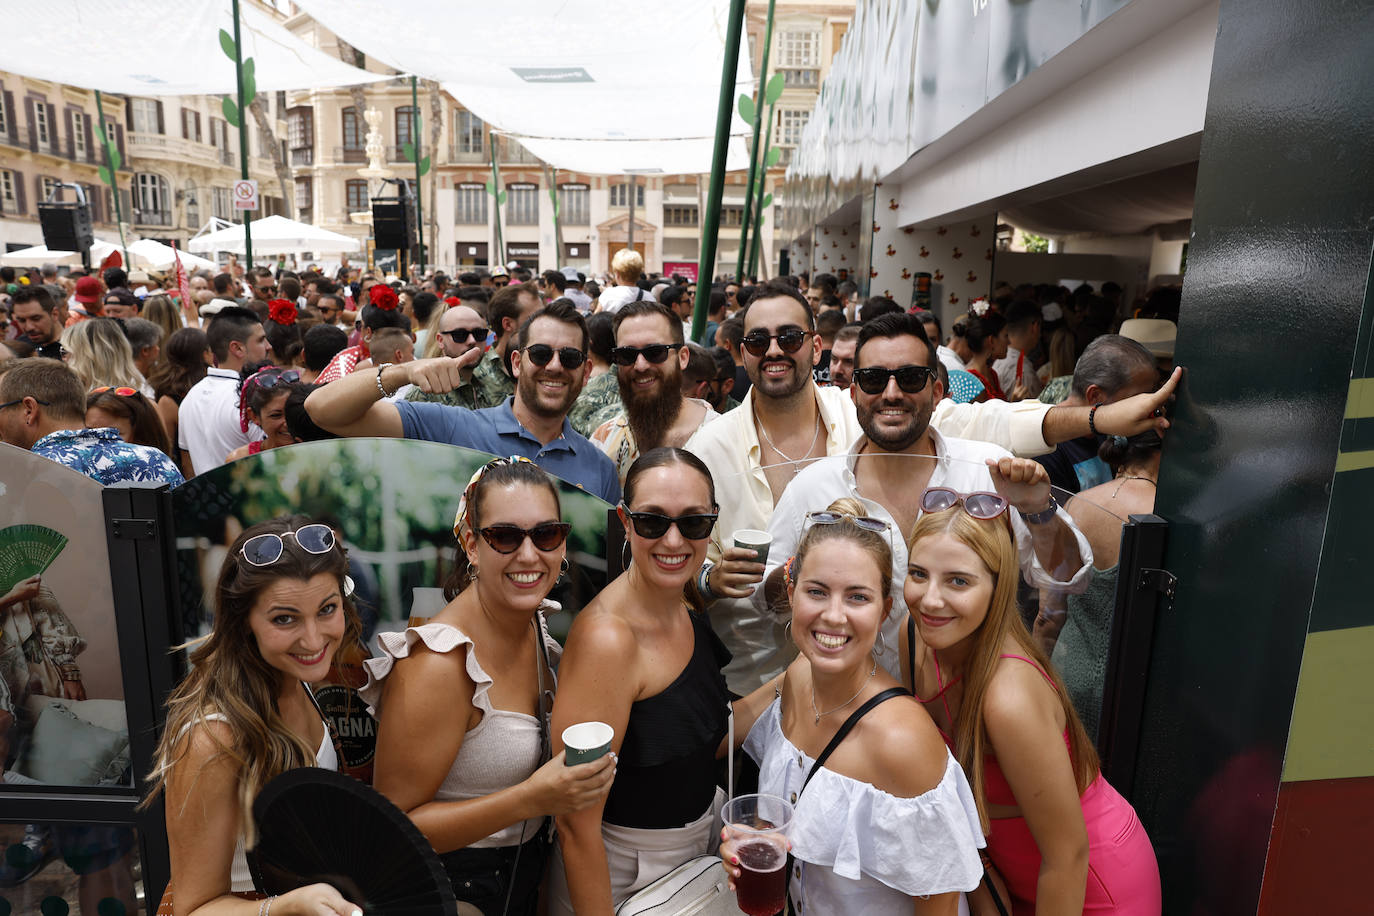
x: 981, y: 504
x: 542, y: 354
x: 654, y: 353
x: 873, y: 379
x: 266, y: 549
x: 545, y: 536
x: 789, y: 340
x: 656, y: 525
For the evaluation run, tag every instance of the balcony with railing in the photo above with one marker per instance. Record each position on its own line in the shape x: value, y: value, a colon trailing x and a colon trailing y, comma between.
x: 350, y: 154
x: 9, y: 206
x: 142, y: 140
x: 144, y: 217
x: 801, y: 78
x: 226, y: 156
x: 456, y: 153
x: 303, y: 156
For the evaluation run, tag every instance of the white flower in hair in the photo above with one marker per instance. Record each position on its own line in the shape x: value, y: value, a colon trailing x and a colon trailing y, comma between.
x: 979, y: 306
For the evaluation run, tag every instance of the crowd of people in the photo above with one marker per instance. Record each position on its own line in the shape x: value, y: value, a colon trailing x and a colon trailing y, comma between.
x: 911, y: 483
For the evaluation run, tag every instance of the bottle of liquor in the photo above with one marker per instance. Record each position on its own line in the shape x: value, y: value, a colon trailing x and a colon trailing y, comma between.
x: 345, y: 710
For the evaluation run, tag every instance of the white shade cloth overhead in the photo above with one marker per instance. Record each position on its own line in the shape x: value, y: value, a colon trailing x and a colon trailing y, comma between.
x: 277, y: 235
x: 583, y: 85
x: 39, y: 255
x: 150, y: 253
x: 162, y: 47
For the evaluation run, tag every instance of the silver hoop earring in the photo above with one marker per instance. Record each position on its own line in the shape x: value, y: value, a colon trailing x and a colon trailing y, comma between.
x: 562, y: 569
x: 787, y: 628
x: 879, y: 645
x: 625, y: 555
x: 472, y: 572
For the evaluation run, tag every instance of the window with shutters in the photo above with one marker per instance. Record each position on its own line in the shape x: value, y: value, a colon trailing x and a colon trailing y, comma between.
x: 352, y: 129
x: 76, y: 123
x: 467, y: 134
x: 192, y: 204
x: 472, y: 205
x: 305, y: 194
x: 679, y: 216
x: 111, y: 132
x: 49, y: 188
x: 4, y: 116
x: 152, y: 202
x: 574, y: 204
x: 732, y: 217
x: 41, y: 128
x: 9, y: 199
x: 145, y: 116
x: 522, y: 204
x: 405, y: 125
x: 791, y: 123
x: 220, y: 204
x: 799, y: 49
x: 620, y: 195
x: 300, y: 128
x: 355, y: 192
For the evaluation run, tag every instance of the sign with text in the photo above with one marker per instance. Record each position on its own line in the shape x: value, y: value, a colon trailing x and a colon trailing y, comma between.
x: 686, y: 269
x: 246, y: 194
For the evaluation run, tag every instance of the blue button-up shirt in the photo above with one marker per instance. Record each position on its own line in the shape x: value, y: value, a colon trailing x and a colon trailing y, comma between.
x: 495, y: 430
x: 107, y: 459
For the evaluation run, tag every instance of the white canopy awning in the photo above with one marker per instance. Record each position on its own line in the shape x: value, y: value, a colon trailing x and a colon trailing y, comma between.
x: 277, y: 235
x: 162, y: 47
x: 584, y: 87
x: 150, y: 253
x: 39, y: 255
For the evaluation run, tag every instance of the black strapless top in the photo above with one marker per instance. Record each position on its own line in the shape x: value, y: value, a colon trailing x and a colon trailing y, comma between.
x: 667, y: 771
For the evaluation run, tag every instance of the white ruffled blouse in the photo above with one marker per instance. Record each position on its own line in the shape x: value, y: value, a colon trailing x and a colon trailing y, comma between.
x: 859, y: 849
x: 502, y: 751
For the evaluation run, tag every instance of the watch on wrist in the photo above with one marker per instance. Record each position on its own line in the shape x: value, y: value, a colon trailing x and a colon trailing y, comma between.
x: 704, y: 583
x: 1043, y: 516
x: 380, y: 369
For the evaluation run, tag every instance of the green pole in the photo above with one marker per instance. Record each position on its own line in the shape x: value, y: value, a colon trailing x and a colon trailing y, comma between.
x: 551, y: 175
x: 754, y: 145
x: 724, y: 112
x: 419, y: 192
x: 755, y: 242
x: 496, y: 202
x: 114, y: 180
x: 243, y: 136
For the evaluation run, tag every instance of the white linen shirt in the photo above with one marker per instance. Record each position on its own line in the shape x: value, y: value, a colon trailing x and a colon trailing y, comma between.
x: 958, y: 464
x: 950, y: 359
x: 208, y: 425
x: 730, y: 448
x: 1006, y: 373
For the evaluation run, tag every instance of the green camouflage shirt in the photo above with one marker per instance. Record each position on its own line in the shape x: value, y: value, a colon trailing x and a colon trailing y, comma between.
x: 598, y: 402
x: 465, y: 395
x: 489, y: 379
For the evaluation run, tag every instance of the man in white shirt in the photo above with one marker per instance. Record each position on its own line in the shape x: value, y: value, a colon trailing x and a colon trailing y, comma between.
x: 209, y: 425
x: 627, y: 266
x: 888, y: 469
x: 786, y: 421
x: 574, y: 290
x: 1015, y: 371
x: 948, y: 357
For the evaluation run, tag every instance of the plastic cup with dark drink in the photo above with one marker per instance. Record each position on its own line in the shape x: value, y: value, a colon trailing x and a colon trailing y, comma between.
x: 758, y: 825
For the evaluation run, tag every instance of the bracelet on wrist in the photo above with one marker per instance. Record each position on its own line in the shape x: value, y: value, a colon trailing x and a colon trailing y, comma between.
x: 1092, y: 414
x: 1044, y: 515
x: 704, y: 582
x: 391, y: 394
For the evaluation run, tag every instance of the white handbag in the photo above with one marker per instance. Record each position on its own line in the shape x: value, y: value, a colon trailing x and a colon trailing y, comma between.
x: 697, y: 887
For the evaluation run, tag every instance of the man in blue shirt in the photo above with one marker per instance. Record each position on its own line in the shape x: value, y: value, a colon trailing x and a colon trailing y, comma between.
x: 43, y: 409
x: 550, y: 367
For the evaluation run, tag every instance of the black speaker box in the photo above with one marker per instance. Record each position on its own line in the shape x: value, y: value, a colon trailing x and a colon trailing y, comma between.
x: 66, y: 228
x: 391, y: 226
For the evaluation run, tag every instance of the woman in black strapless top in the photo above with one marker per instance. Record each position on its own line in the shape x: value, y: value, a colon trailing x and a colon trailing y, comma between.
x: 643, y: 659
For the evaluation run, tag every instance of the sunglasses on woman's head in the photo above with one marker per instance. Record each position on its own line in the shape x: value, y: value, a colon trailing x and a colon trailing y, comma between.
x: 866, y: 522
x: 545, y: 536
x: 271, y: 378
x: 542, y: 354
x: 654, y: 353
x: 656, y: 525
x: 461, y: 335
x: 124, y: 391
x: 266, y: 549
x: 911, y: 379
x: 789, y: 341
x: 981, y: 504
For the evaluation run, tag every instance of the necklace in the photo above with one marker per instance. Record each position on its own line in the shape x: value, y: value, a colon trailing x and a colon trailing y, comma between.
x: 819, y: 715
x: 1125, y: 477
x: 793, y: 461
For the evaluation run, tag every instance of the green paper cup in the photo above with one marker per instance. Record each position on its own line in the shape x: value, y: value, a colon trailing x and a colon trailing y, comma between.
x: 753, y: 539
x: 586, y: 741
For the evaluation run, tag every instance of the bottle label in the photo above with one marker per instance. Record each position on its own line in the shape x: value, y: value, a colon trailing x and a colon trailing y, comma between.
x: 357, y: 730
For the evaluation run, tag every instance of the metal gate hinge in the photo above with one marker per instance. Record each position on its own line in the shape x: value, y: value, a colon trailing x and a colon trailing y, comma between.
x: 134, y: 529
x: 1160, y: 580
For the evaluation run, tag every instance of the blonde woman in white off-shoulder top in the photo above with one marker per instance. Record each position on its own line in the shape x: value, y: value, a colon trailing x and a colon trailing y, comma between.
x: 460, y: 744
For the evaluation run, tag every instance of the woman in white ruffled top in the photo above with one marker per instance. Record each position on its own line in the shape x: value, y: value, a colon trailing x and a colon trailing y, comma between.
x: 462, y: 701
x: 888, y: 825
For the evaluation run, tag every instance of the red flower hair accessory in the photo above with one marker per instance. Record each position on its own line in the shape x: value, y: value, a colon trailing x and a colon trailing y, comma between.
x: 282, y: 311
x: 453, y: 302
x: 383, y: 297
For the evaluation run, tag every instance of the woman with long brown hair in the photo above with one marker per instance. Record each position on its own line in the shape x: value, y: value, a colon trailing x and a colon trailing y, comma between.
x: 246, y: 713
x: 1059, y: 836
x: 185, y: 357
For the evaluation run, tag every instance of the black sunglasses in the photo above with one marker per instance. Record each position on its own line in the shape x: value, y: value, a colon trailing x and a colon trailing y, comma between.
x: 542, y: 354
x: 460, y: 335
x: 789, y: 341
x: 21, y: 400
x: 656, y: 525
x: 545, y: 536
x: 911, y: 379
x: 654, y: 353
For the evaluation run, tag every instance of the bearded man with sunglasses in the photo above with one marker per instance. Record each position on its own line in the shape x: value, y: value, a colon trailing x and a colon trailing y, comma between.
x: 786, y: 422
x: 651, y: 357
x: 549, y: 361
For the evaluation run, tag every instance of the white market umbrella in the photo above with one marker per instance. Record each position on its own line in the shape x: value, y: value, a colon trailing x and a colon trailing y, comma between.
x: 151, y: 254
x: 277, y: 235
x: 39, y: 255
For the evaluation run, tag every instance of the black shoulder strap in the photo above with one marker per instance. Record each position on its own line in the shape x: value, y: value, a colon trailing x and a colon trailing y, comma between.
x: 848, y: 726
x: 911, y: 650
x: 639, y: 294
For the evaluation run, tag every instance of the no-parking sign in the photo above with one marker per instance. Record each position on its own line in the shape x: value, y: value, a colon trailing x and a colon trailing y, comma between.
x: 246, y: 194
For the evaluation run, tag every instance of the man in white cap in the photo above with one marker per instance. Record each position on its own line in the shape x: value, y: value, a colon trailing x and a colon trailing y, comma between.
x: 574, y: 290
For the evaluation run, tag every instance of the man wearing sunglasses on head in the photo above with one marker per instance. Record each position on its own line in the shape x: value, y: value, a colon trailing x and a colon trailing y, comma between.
x: 901, y: 466
x: 461, y: 330
x: 650, y: 357
x: 786, y: 421
x: 549, y: 360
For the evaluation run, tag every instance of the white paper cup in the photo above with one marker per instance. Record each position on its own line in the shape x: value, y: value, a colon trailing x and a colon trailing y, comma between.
x: 753, y: 539
x: 586, y: 741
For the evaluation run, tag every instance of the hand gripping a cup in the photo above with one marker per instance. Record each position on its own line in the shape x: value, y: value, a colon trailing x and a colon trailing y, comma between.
x: 754, y: 849
x: 740, y: 569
